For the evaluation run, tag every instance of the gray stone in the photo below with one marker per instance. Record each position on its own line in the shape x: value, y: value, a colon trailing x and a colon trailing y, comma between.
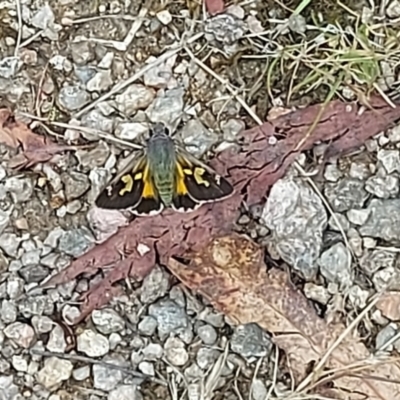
x: 20, y: 333
x: 155, y: 285
x: 107, y: 321
x: 383, y: 187
x: 346, y: 194
x: 72, y: 98
x: 207, y: 334
x: 125, y: 392
x: 105, y: 378
x: 76, y: 184
x: 92, y: 344
x: 21, y: 189
x: 100, y: 82
x: 297, y: 219
x: 197, y: 138
x: 54, y: 372
x: 167, y: 107
x: 170, y: 317
x: 75, y: 242
x: 135, y: 97
x: 384, y: 220
x: 335, y: 264
x: 250, y: 341
x: 390, y: 159
x: 175, y: 351
x: 373, y: 261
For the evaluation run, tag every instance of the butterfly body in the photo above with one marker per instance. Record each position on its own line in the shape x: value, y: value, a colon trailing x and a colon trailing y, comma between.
x: 162, y: 161
x: 164, y: 176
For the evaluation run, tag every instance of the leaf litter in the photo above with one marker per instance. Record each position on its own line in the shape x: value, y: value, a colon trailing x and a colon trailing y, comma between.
x: 253, y: 168
x: 35, y: 148
x: 231, y: 273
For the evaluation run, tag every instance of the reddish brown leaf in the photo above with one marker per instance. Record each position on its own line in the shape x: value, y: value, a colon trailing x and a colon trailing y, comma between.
x: 231, y: 274
x: 36, y: 149
x: 214, y: 7
x: 252, y: 170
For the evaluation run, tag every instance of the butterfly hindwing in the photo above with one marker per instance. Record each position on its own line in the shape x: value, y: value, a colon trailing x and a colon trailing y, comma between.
x: 197, y: 184
x: 134, y: 190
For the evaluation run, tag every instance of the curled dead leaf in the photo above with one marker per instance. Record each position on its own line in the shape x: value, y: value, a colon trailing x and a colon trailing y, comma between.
x: 231, y: 274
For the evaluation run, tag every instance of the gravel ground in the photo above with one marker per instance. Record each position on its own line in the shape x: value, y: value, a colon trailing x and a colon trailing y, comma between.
x: 84, y: 64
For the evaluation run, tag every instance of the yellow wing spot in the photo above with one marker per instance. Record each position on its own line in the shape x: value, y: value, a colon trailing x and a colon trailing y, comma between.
x: 181, y: 188
x: 138, y: 176
x: 188, y: 171
x: 148, y: 188
x: 198, y: 176
x: 127, y: 179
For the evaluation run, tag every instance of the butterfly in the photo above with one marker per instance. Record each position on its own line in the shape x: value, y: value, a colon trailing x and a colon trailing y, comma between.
x: 164, y: 175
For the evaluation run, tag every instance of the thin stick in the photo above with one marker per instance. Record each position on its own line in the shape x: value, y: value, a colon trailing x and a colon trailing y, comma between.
x: 19, y: 37
x: 75, y: 357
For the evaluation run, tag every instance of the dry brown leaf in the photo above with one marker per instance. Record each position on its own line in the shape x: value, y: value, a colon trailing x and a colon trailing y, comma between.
x: 389, y: 305
x: 231, y: 274
x: 252, y: 170
x: 36, y: 148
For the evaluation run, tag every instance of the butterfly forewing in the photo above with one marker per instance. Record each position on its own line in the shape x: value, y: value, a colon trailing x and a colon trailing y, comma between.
x: 197, y: 184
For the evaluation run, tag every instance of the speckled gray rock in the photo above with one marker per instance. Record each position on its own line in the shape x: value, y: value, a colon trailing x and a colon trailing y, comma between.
x: 197, y: 138
x: 250, y: 341
x: 383, y: 221
x: 225, y: 29
x: 153, y: 351
x: 374, y: 260
x: 72, y: 98
x: 335, y: 264
x: 81, y: 52
x: 207, y: 334
x: 44, y: 19
x: 105, y: 378
x: 54, y: 372
x: 8, y: 311
x: 92, y: 344
x: 8, y: 390
x: 76, y: 242
x: 9, y: 243
x: 147, y: 326
x: 346, y: 194
x: 175, y: 351
x: 101, y: 81
x: 297, y: 219
x: 22, y: 334
x: 95, y: 119
x: 21, y: 189
x: 390, y: 159
x: 167, y: 107
x: 131, y: 130
x: 155, y: 285
x: 206, y: 357
x: 384, y: 187
x: 76, y: 184
x: 259, y: 390
x: 170, y: 317
x: 57, y: 342
x: 125, y: 392
x: 134, y: 97
x: 107, y: 321
x: 386, y: 279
